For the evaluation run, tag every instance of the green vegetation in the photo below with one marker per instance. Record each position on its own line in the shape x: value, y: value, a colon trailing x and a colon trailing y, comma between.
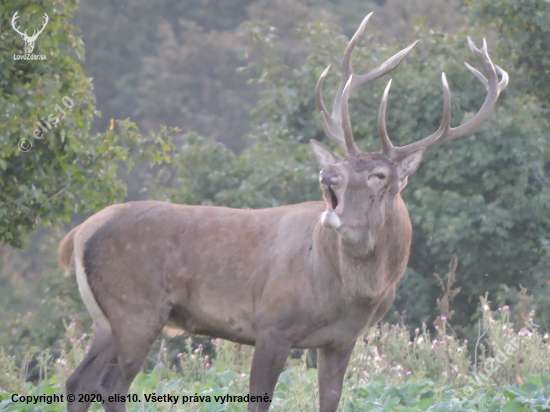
x: 66, y: 169
x: 238, y: 79
x: 387, y: 372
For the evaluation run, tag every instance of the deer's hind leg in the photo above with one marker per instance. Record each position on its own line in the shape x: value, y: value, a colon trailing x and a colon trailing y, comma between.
x: 134, y: 337
x: 128, y: 319
x: 86, y: 379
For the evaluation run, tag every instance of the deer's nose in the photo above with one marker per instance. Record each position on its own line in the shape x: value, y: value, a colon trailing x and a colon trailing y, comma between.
x: 330, y: 178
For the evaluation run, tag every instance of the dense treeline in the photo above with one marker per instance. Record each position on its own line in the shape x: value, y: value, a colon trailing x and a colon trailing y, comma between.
x: 238, y: 79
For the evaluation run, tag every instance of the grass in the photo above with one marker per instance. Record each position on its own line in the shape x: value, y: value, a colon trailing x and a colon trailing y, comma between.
x: 389, y: 371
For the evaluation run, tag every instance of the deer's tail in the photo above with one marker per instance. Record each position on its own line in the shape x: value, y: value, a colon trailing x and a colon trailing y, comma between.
x: 66, y: 251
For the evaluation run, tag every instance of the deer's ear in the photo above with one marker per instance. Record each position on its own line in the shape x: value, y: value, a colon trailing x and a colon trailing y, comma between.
x: 408, y: 166
x: 324, y: 155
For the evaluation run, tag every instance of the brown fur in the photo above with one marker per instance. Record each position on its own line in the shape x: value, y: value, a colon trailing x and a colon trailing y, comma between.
x: 311, y: 275
x: 66, y: 251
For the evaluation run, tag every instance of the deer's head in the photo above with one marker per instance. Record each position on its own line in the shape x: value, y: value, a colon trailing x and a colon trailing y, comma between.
x: 29, y: 40
x: 359, y: 187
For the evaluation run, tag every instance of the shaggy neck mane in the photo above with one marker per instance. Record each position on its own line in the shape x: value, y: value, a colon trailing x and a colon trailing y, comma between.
x: 363, y: 267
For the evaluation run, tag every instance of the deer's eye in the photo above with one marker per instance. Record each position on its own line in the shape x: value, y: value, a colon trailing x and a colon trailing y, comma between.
x: 380, y: 176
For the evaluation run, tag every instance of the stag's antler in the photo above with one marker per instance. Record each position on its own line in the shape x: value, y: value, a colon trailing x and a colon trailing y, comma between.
x: 445, y: 131
x: 338, y: 126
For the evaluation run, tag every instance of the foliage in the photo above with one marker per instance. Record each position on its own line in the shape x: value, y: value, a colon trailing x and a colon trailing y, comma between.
x: 395, y: 18
x: 267, y: 174
x: 48, y: 176
x: 36, y: 298
x: 166, y: 62
x: 482, y: 198
x: 387, y: 372
x: 523, y: 30
x: 191, y: 82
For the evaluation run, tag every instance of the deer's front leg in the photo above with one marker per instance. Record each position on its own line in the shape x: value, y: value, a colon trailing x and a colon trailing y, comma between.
x: 270, y: 355
x: 331, y: 367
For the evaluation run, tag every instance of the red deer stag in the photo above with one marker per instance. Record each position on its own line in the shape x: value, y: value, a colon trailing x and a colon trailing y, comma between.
x: 312, y: 275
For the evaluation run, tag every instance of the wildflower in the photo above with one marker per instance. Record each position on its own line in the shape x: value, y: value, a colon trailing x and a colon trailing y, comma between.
x: 443, y: 318
x: 486, y: 308
x: 200, y: 345
x: 437, y: 327
x: 393, y: 326
x: 207, y: 366
x: 164, y: 349
x: 505, y: 307
x: 409, y: 373
x: 442, y: 342
x: 180, y: 355
x: 218, y: 340
x: 465, y: 341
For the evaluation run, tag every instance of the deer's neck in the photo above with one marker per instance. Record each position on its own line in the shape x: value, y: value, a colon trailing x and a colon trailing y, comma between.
x: 368, y: 268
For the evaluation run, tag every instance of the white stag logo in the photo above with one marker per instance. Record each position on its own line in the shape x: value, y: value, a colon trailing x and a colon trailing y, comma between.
x: 29, y: 40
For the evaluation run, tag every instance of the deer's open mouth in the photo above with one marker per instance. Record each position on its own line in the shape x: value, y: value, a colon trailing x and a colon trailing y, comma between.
x: 333, y: 203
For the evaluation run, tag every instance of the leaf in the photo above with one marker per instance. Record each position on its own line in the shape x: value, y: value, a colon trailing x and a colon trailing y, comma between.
x: 535, y: 381
x: 512, y: 406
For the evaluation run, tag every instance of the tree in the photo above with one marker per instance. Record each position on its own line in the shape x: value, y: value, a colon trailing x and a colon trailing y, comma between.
x: 482, y: 198
x: 523, y: 29
x: 50, y: 165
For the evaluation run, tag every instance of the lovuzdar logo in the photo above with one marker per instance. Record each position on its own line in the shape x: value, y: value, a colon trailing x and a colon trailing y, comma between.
x: 29, y: 40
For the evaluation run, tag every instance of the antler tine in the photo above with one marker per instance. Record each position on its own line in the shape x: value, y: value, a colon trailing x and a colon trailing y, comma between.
x: 346, y: 121
x: 332, y: 127
x: 398, y: 153
x: 387, y: 145
x: 493, y: 90
x: 339, y: 105
x: 338, y: 125
x: 445, y: 132
x: 384, y: 68
x: 501, y: 85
